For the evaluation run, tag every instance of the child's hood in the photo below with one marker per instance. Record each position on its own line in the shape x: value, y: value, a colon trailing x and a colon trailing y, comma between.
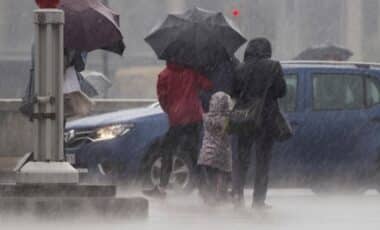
x: 220, y: 103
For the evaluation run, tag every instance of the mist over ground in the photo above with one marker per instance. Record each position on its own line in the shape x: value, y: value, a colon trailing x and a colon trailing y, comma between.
x: 292, y: 209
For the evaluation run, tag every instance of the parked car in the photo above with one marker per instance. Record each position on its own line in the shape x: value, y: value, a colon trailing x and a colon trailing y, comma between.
x: 334, y: 108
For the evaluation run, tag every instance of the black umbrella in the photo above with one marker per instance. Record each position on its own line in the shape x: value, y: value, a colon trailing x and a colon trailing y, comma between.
x: 325, y: 52
x: 195, y: 38
x: 89, y: 25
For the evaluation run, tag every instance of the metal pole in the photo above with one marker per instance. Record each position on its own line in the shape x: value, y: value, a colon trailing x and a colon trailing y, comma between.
x: 48, y: 110
x: 48, y: 166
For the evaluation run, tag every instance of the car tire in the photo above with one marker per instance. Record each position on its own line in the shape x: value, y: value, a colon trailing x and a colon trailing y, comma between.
x: 106, y: 168
x: 103, y: 170
x: 182, y: 179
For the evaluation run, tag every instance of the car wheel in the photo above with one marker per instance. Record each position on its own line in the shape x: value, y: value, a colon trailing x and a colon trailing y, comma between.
x: 105, y: 169
x: 182, y: 176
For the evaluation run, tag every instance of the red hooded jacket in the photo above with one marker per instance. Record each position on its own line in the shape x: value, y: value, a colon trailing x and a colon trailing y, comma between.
x: 178, y: 93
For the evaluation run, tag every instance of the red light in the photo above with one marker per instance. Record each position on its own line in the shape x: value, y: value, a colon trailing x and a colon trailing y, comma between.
x: 43, y: 4
x: 236, y: 12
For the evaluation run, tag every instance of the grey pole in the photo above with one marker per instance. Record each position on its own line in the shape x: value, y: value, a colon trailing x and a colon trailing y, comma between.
x: 48, y: 175
x: 48, y: 111
x: 48, y: 166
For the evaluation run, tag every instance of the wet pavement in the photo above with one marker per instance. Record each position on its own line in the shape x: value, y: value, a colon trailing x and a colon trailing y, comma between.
x: 292, y: 209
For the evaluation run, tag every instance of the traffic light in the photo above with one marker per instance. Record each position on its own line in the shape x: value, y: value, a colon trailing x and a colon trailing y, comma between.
x: 236, y: 12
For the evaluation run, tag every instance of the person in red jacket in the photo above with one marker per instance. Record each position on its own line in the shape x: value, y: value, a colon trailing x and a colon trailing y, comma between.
x: 178, y: 89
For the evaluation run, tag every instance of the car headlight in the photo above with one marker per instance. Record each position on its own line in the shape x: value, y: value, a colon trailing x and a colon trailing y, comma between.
x: 112, y: 131
x: 69, y: 135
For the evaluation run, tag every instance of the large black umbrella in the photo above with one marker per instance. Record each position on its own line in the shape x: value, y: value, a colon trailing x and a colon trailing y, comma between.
x: 195, y: 38
x: 90, y: 25
x: 325, y: 52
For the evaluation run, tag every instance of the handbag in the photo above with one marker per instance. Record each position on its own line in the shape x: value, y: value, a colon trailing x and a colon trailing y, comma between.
x: 247, y: 116
x: 76, y: 103
x: 28, y: 99
x: 283, y: 130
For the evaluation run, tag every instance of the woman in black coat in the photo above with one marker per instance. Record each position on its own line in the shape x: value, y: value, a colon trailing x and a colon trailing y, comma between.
x: 258, y: 76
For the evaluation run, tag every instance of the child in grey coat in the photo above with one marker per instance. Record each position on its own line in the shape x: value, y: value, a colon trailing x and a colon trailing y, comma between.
x: 215, y: 159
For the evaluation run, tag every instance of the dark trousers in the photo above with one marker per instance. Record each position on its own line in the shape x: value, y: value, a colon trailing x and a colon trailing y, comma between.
x: 263, y: 144
x: 184, y: 138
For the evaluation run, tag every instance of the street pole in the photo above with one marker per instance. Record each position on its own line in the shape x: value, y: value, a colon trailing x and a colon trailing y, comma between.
x: 48, y: 111
x: 48, y: 166
x: 48, y: 185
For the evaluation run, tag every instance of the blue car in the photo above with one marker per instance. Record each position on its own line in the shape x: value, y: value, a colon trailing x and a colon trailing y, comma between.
x: 334, y: 109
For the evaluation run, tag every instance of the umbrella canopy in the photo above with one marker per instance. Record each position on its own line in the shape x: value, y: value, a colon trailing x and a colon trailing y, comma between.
x: 86, y: 86
x: 89, y: 25
x: 195, y: 38
x: 97, y: 80
x: 325, y: 52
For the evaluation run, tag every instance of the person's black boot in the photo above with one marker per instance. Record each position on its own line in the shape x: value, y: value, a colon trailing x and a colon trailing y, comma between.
x: 156, y: 192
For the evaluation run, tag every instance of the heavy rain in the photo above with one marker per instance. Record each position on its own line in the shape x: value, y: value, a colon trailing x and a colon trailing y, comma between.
x: 189, y: 114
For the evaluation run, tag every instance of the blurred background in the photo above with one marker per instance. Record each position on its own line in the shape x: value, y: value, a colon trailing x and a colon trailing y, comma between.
x: 291, y: 25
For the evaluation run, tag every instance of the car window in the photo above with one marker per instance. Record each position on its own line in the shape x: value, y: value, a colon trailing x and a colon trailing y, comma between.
x: 288, y: 103
x: 373, y: 91
x: 338, y: 91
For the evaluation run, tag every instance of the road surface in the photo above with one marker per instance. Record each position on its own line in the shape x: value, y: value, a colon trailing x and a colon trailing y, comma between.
x: 292, y: 209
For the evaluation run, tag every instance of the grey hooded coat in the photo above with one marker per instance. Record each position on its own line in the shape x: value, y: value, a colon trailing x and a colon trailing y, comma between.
x: 216, y: 147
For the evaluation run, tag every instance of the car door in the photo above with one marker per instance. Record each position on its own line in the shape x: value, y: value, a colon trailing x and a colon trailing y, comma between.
x: 335, y: 116
x: 367, y: 149
x: 286, y: 163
